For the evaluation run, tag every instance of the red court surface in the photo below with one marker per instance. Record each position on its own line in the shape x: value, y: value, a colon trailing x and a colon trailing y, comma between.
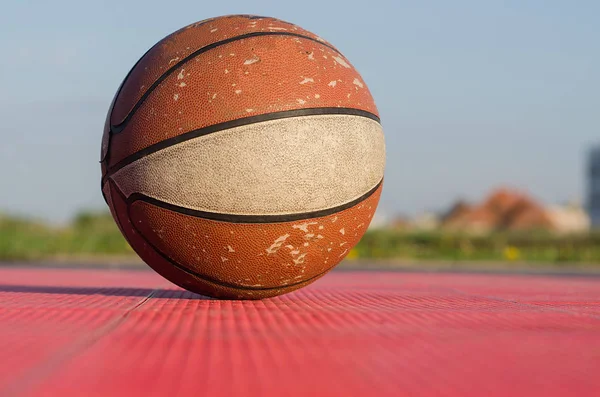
x: 112, y: 333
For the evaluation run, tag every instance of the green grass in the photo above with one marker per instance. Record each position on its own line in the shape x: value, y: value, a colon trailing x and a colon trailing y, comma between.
x: 88, y: 234
x: 529, y: 247
x: 95, y: 234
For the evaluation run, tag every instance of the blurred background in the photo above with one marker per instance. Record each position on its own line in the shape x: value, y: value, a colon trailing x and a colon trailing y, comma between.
x: 490, y: 111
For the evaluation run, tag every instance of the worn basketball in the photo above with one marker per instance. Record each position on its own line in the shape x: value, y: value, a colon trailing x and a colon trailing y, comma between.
x: 242, y: 157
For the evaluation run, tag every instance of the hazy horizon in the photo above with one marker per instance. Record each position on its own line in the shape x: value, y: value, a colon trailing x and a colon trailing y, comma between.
x: 472, y: 96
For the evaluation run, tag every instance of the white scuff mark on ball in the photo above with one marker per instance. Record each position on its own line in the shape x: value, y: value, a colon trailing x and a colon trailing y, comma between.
x: 232, y: 54
x: 223, y: 259
x: 214, y: 95
x: 275, y: 28
x: 182, y: 84
x: 252, y: 60
x: 335, y: 218
x: 357, y: 82
x: 360, y: 225
x: 173, y: 60
x: 181, y: 74
x: 289, y: 246
x: 309, y: 236
x: 317, y: 96
x: 328, y: 249
x: 142, y: 87
x: 230, y: 249
x: 301, y: 101
x: 307, y: 80
x: 342, y: 231
x: 226, y: 71
x: 311, y: 56
x: 299, y: 259
x: 249, y: 110
x: 238, y: 92
x: 294, y: 252
x: 304, y: 226
x: 214, y: 30
x: 325, y: 56
x: 319, y: 236
x: 306, y: 244
x: 175, y: 97
x: 348, y: 95
x: 332, y: 83
x: 343, y: 243
x: 343, y: 253
x: 341, y: 62
x: 321, y: 227
x: 277, y: 244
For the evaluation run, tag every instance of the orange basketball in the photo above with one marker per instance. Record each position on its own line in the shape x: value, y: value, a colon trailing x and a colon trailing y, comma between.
x: 242, y: 157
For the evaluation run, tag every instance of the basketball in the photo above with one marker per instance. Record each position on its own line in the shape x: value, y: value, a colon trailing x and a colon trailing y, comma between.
x: 242, y: 157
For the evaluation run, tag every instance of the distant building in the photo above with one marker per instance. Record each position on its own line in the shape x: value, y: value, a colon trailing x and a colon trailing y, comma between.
x: 569, y: 218
x: 594, y: 187
x: 504, y: 209
x: 457, y: 211
x: 425, y: 221
x: 511, y: 210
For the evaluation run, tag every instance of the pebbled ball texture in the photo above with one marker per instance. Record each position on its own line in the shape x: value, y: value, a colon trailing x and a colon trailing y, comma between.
x: 242, y: 157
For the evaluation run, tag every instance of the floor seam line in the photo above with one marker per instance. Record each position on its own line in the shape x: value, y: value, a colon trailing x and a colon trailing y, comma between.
x: 33, y: 378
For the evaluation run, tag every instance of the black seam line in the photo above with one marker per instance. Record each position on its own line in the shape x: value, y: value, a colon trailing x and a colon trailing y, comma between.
x: 232, y: 218
x: 115, y: 129
x: 114, y: 188
x: 114, y: 101
x: 184, y: 269
x: 233, y: 124
x: 207, y: 278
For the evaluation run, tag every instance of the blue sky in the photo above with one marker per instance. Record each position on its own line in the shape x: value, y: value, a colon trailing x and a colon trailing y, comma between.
x: 472, y: 94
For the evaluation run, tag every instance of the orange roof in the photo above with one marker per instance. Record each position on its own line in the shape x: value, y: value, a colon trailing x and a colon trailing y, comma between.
x: 504, y: 209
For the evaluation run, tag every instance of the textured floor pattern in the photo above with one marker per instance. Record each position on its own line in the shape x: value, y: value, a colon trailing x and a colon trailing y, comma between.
x: 109, y: 333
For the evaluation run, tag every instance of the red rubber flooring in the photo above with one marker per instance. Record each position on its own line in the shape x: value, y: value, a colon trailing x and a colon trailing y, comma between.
x: 112, y: 333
